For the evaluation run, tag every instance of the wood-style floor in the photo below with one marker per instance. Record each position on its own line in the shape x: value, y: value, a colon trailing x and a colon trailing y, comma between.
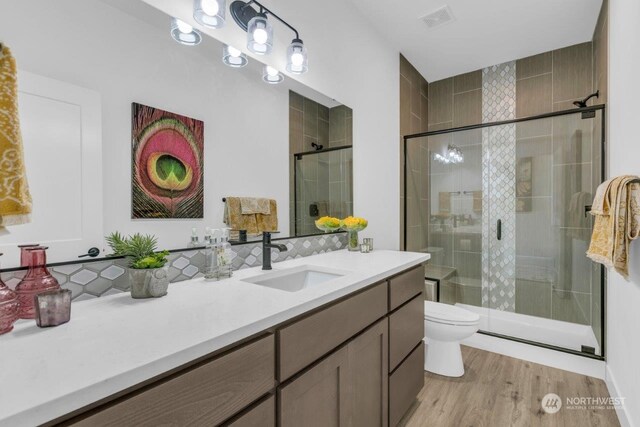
x: 501, y: 391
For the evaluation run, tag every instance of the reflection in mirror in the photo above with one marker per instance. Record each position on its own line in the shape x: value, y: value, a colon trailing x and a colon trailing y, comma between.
x: 79, y: 75
x: 321, y: 165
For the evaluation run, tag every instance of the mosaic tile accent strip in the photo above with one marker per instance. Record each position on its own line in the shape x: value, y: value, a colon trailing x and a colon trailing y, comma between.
x: 107, y: 277
x: 498, y: 186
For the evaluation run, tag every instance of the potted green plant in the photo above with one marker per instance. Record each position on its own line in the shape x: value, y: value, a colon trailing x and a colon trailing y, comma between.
x: 148, y: 269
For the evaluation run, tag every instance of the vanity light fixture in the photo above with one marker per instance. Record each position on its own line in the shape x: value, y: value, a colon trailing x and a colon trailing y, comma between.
x: 209, y: 13
x: 297, y: 57
x: 233, y: 57
x: 184, y: 33
x: 260, y: 33
x: 271, y: 75
x: 453, y: 155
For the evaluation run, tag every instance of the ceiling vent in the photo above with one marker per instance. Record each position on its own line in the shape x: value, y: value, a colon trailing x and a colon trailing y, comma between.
x: 438, y: 17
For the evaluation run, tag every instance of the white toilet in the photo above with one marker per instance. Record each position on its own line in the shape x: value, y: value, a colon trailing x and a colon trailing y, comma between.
x: 445, y: 326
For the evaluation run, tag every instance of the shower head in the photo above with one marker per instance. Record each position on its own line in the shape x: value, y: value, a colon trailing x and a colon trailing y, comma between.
x: 318, y: 147
x: 583, y: 102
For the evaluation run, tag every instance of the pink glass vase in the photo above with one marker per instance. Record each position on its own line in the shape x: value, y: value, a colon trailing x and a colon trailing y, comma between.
x: 25, y: 256
x: 8, y: 308
x: 37, y: 280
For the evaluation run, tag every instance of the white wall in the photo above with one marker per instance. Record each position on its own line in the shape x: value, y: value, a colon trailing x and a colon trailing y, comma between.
x: 352, y: 63
x: 623, y: 298
x: 93, y: 45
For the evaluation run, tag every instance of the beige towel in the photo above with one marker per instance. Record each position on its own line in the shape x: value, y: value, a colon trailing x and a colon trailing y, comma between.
x: 15, y: 199
x: 234, y: 218
x: 616, y: 207
x: 268, y: 222
x: 444, y: 202
x: 255, y: 205
x: 477, y: 201
x: 254, y: 223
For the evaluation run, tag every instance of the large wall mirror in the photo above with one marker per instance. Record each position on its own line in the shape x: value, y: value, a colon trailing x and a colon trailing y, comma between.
x: 124, y: 129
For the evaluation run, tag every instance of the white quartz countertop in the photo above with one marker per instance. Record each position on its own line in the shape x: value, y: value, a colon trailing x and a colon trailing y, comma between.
x: 115, y: 342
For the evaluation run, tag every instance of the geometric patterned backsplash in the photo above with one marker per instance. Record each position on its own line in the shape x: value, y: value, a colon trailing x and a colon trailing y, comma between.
x: 94, y: 279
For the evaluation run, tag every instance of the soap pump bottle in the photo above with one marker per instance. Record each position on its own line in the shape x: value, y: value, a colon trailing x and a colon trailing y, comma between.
x: 225, y: 268
x: 211, y: 258
x: 207, y: 236
x: 194, y: 238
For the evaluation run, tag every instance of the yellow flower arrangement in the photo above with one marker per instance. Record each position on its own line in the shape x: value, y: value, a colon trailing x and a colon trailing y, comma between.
x: 328, y: 223
x: 353, y: 223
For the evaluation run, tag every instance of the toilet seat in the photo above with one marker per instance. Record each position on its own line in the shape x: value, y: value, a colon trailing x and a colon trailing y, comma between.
x: 449, y: 314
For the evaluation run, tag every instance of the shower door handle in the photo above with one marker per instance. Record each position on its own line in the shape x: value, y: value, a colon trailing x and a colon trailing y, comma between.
x: 499, y: 229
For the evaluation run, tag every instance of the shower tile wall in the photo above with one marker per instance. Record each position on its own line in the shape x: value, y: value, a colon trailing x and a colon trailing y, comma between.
x: 544, y: 83
x: 498, y: 189
x: 414, y: 104
x: 319, y: 179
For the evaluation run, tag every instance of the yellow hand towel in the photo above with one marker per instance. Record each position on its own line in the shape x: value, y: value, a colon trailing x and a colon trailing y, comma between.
x: 15, y: 200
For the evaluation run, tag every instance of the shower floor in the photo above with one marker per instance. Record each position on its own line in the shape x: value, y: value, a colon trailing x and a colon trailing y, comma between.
x: 538, y: 329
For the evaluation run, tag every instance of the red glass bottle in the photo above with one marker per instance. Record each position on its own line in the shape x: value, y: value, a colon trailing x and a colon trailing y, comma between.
x: 37, y: 280
x: 8, y: 308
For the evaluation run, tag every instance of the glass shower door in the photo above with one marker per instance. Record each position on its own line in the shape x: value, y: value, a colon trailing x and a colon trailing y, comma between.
x: 537, y: 281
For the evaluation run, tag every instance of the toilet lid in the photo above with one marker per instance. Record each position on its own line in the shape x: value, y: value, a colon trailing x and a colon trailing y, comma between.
x: 446, y: 313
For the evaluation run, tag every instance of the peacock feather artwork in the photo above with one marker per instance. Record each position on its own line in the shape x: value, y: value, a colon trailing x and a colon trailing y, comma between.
x: 167, y: 164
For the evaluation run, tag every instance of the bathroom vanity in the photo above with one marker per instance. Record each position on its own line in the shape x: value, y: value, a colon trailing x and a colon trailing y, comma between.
x: 342, y: 348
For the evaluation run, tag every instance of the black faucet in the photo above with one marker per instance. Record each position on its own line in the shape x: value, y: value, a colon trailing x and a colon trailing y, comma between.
x: 266, y: 249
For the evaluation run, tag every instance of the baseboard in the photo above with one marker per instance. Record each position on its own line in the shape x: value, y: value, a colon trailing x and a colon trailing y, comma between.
x: 543, y: 356
x: 613, y: 391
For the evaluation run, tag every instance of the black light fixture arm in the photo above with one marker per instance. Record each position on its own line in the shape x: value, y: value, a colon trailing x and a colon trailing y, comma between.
x: 263, y: 10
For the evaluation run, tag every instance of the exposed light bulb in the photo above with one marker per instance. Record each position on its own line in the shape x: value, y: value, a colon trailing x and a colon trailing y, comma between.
x: 271, y: 71
x: 297, y: 59
x: 260, y: 35
x: 184, y: 27
x: 210, y: 7
x: 234, y: 52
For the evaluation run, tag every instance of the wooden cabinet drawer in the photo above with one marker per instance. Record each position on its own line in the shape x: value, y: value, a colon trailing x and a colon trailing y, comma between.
x: 406, y: 330
x: 405, y: 286
x: 206, y: 394
x: 405, y: 384
x: 308, y: 339
x: 262, y: 415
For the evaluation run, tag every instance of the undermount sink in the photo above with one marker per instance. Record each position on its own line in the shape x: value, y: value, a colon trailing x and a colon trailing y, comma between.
x: 296, y: 279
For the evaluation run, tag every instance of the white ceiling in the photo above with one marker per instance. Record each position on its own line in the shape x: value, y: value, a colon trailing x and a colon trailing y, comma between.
x: 484, y: 32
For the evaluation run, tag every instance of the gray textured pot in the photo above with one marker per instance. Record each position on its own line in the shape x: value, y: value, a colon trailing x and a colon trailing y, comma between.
x: 149, y: 283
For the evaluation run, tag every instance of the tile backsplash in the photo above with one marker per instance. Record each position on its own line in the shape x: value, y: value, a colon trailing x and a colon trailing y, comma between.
x: 98, y: 278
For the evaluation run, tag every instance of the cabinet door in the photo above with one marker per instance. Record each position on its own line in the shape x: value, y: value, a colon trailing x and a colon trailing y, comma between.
x: 262, y: 415
x: 319, y: 397
x: 369, y: 367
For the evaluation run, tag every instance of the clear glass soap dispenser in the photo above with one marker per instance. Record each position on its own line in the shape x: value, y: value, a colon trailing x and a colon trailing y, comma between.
x: 211, y: 258
x: 225, y: 256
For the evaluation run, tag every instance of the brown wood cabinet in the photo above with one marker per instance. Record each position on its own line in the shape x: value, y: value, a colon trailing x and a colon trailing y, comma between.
x: 203, y: 395
x: 319, y: 397
x: 347, y: 388
x: 306, y: 340
x: 261, y: 415
x: 406, y: 329
x: 356, y: 362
